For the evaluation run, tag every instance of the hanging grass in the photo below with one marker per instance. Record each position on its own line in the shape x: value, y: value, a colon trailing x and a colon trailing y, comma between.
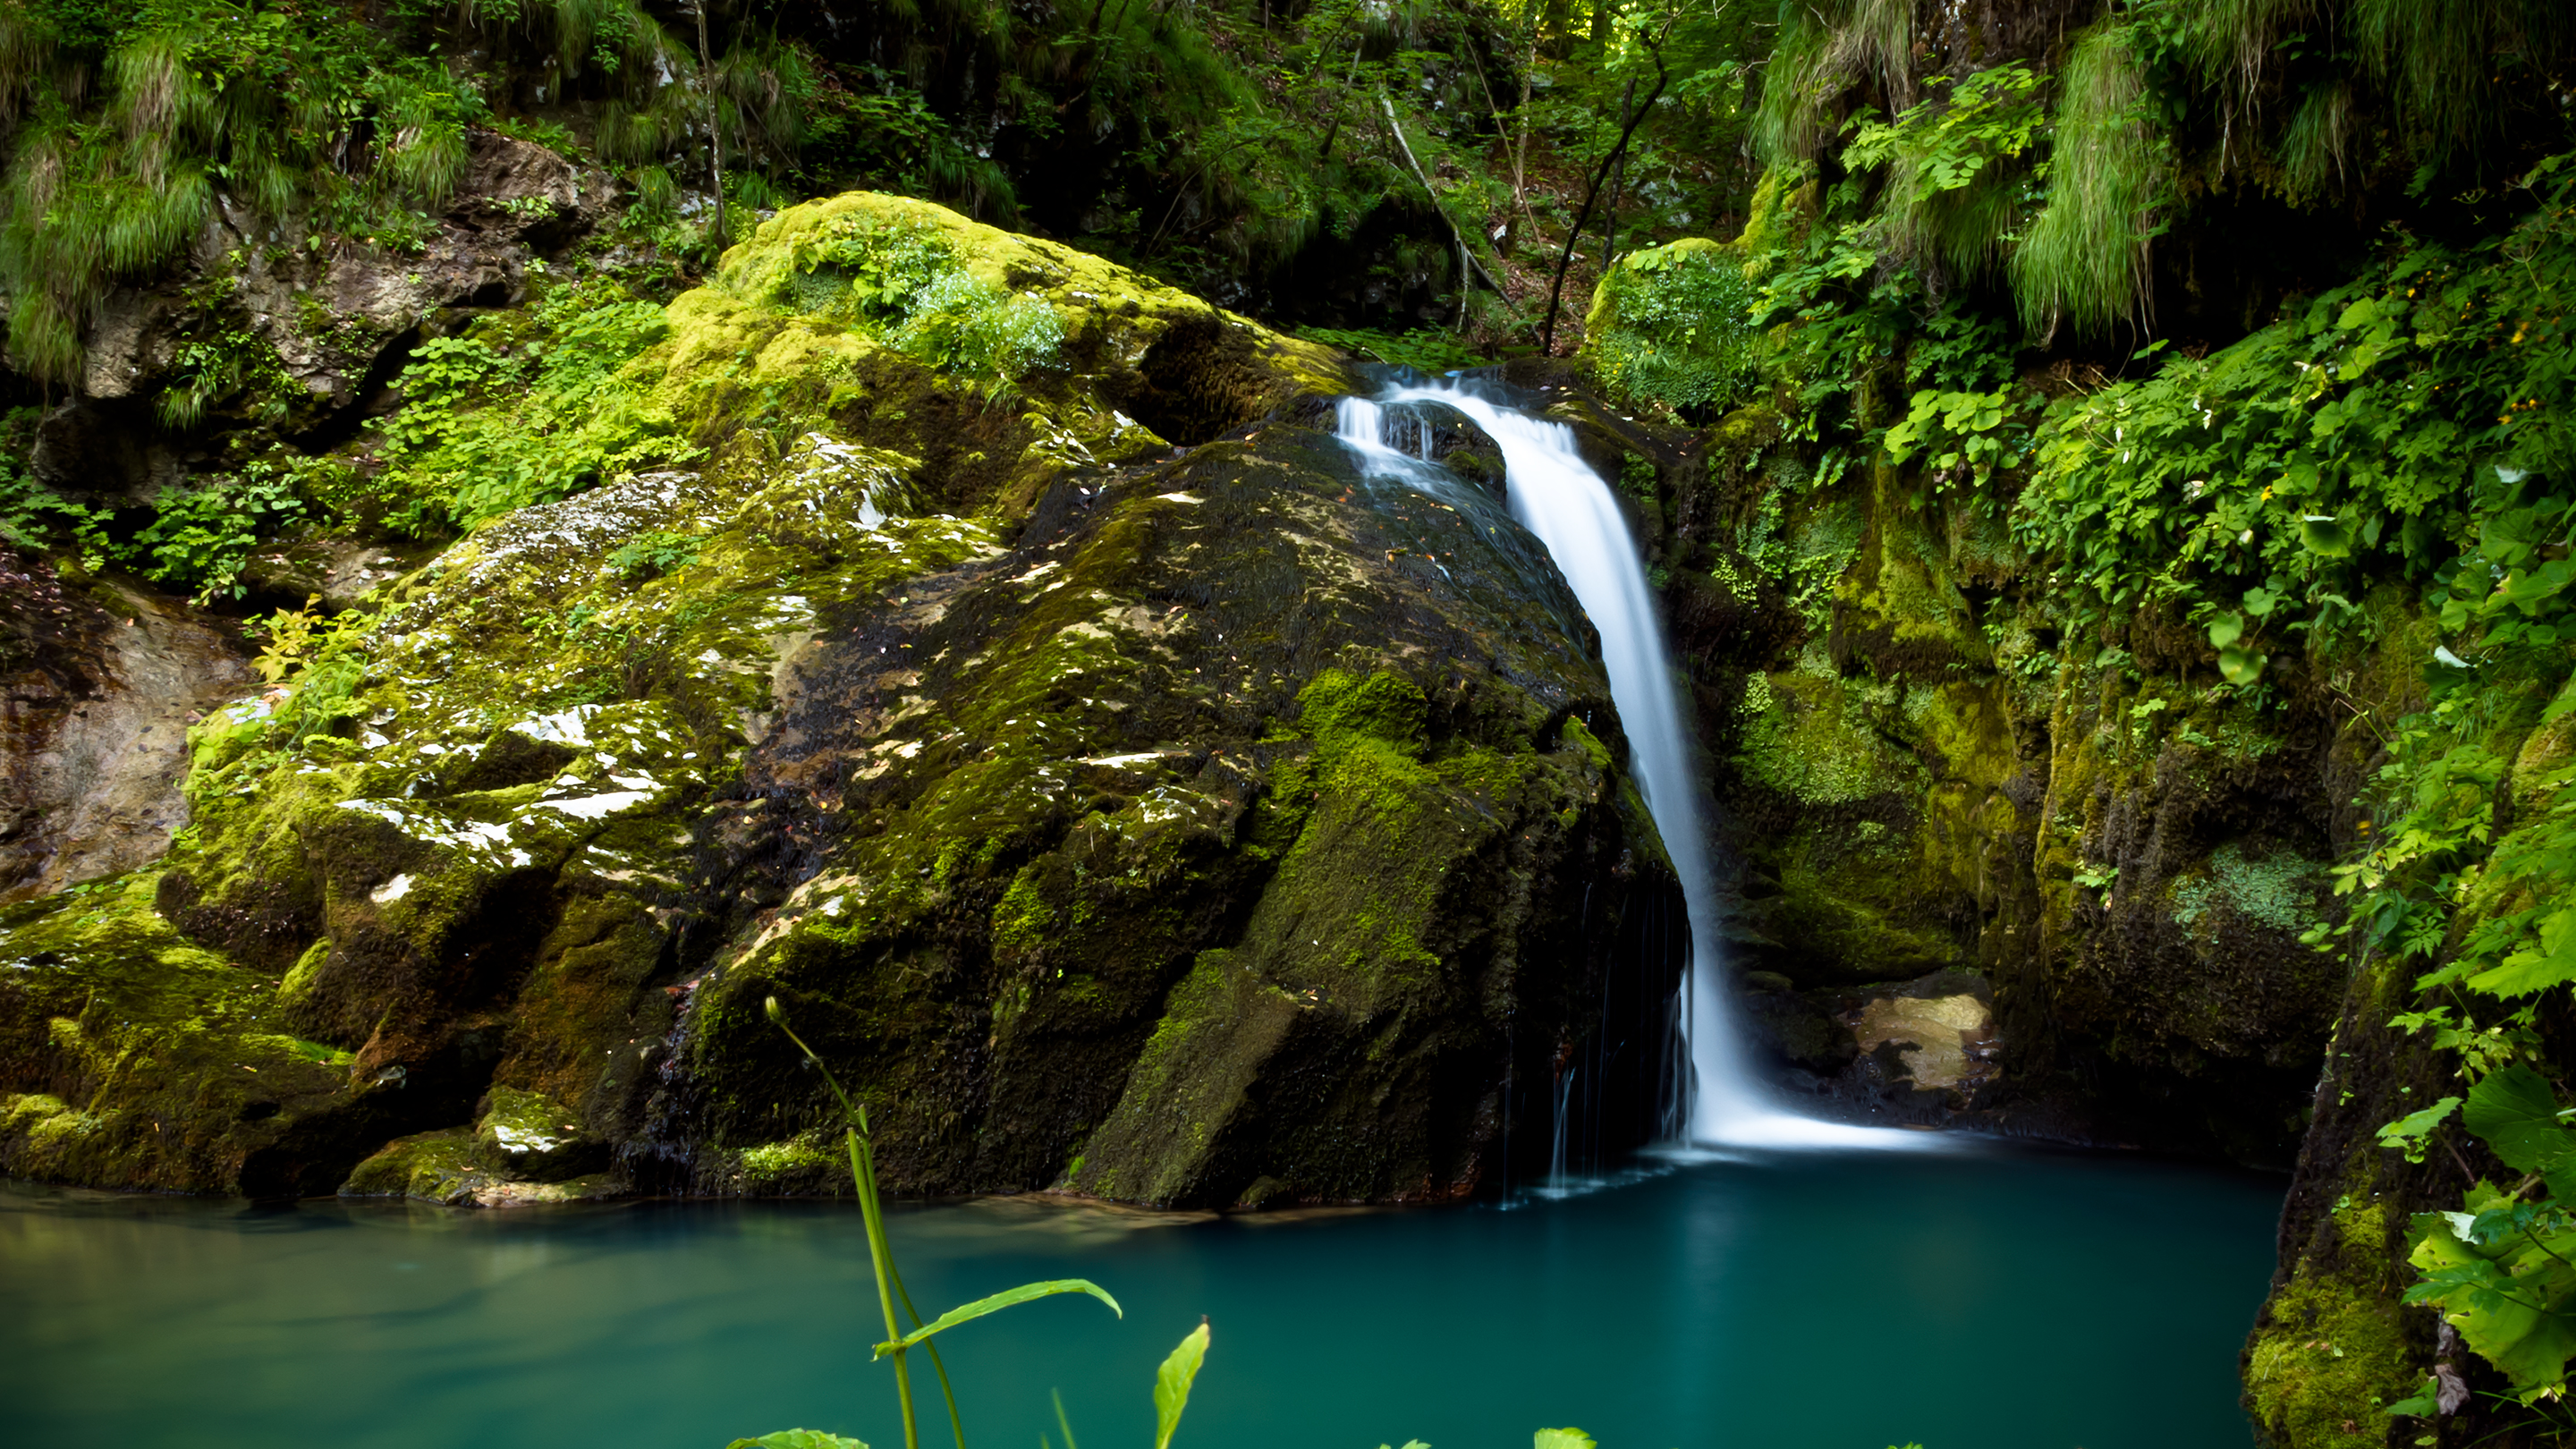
x: 2084, y: 259
x: 128, y: 127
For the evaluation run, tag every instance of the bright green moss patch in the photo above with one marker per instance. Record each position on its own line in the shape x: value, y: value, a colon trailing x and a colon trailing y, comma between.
x: 1808, y: 738
x: 813, y: 1162
x: 1340, y: 707
x: 176, y: 1066
x: 440, y: 1167
x: 1673, y: 325
x: 2332, y: 1356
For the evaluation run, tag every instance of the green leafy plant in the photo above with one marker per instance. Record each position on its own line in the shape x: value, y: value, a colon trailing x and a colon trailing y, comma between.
x: 492, y: 423
x: 651, y: 555
x: 1674, y: 325
x: 2499, y: 1270
x: 1171, y: 1384
x: 288, y: 639
x: 1964, y: 437
x: 200, y: 537
x: 909, y: 284
x: 1421, y: 349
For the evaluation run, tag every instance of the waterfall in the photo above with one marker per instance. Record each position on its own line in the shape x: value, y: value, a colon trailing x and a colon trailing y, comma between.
x: 1566, y: 505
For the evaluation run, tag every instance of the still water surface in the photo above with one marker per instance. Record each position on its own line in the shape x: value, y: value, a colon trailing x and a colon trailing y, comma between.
x: 1983, y: 1300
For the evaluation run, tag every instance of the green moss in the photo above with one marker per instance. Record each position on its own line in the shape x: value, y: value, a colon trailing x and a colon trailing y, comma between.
x: 2332, y: 1352
x: 297, y: 987
x: 440, y: 1167
x: 815, y: 1161
x: 1672, y: 325
x: 176, y: 1065
x: 1340, y: 708
x: 1807, y: 738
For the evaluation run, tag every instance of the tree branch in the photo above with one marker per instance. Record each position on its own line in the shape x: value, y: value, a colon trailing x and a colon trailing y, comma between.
x: 1601, y: 173
x: 1466, y: 256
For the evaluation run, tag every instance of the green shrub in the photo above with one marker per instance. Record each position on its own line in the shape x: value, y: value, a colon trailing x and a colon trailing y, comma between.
x: 1673, y: 325
x: 909, y: 287
x: 490, y: 425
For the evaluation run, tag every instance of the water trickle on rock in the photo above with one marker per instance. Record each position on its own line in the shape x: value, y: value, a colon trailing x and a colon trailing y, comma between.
x: 1559, y: 498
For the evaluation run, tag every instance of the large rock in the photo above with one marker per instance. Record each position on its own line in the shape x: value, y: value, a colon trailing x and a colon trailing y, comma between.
x: 1205, y: 828
x: 98, y: 687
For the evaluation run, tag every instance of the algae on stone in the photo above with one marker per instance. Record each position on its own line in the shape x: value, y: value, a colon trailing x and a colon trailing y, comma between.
x: 935, y: 697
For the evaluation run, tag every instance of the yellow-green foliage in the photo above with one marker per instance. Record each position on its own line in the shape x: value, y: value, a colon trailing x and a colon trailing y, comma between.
x: 502, y: 417
x: 807, y: 1163
x: 440, y: 1167
x: 866, y: 317
x: 2331, y: 1355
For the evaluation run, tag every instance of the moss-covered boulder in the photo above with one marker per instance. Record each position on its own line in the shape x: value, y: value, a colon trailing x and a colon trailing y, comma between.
x: 1196, y: 827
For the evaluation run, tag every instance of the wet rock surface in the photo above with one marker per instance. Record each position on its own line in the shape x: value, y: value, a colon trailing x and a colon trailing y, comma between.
x: 1188, y: 826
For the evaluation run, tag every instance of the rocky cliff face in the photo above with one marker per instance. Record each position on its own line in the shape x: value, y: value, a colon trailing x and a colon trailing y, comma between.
x: 1125, y: 794
x: 1985, y: 870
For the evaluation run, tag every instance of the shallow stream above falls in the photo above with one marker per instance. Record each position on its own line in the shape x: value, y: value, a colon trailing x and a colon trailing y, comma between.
x: 1987, y: 1298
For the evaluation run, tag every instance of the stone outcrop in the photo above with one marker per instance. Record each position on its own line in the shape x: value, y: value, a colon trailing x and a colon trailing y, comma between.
x: 312, y: 331
x: 102, y: 685
x: 1193, y: 825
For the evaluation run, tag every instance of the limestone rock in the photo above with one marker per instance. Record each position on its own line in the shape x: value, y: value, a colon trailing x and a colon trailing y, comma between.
x: 100, y: 689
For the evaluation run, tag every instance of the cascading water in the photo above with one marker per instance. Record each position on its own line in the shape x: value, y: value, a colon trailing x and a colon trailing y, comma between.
x: 1566, y: 505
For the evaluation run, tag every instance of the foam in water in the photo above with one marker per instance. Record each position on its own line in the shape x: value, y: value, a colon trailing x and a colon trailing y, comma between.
x: 1557, y: 496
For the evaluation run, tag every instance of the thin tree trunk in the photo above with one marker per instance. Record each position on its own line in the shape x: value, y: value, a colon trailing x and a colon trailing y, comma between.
x: 1520, y: 147
x: 1592, y: 193
x: 715, y: 124
x: 1466, y: 258
x: 1324, y: 152
x: 1610, y: 217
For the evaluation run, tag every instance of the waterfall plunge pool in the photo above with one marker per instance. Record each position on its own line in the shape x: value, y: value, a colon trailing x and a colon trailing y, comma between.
x: 1989, y: 1298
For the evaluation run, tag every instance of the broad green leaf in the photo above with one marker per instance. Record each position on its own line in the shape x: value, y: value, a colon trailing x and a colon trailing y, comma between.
x: 2324, y: 536
x: 1562, y: 1439
x: 2505, y: 539
x: 1172, y: 1383
x: 2515, y: 1113
x: 2407, y: 1133
x: 2534, y: 968
x: 2226, y: 629
x: 2509, y: 1300
x: 996, y: 1303
x: 2240, y: 666
x: 2261, y: 602
x: 797, y: 1439
x: 2359, y: 314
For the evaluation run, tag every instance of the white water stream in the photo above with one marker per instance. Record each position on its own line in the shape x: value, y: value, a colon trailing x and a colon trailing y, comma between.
x: 1561, y: 500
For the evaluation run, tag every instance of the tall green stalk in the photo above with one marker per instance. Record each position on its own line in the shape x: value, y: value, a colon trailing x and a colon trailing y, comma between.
x: 890, y: 1289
